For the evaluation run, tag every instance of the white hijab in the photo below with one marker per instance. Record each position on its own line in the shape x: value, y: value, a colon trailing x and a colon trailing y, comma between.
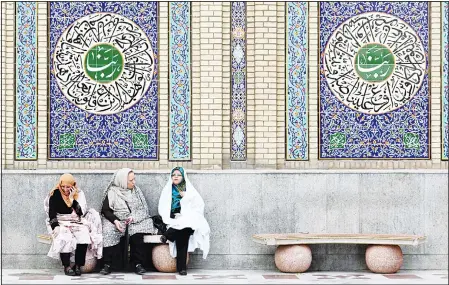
x: 191, y: 216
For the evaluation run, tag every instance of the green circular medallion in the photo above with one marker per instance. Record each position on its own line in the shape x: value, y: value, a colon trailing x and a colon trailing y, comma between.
x: 374, y: 62
x: 103, y: 63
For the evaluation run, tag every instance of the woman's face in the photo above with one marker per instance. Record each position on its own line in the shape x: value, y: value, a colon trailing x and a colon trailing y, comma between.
x: 176, y: 177
x: 131, y: 180
x: 66, y: 188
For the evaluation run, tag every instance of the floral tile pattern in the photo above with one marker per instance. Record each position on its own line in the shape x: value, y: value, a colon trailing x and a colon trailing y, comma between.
x: 26, y: 81
x: 238, y: 81
x: 296, y: 85
x: 103, y: 85
x: 280, y: 276
x: 402, y: 276
x: 180, y: 81
x: 374, y: 86
x: 242, y: 276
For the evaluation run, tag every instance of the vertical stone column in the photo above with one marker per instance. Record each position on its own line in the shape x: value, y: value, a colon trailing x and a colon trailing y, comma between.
x: 250, y: 87
x: 313, y: 58
x: 196, y: 85
x: 163, y: 84
x: 265, y: 84
x: 8, y: 30
x: 211, y: 85
x: 42, y: 80
x: 280, y: 83
x: 226, y: 85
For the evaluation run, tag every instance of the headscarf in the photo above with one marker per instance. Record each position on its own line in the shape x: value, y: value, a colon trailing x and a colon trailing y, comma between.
x: 65, y: 179
x: 117, y: 190
x: 181, y: 186
x: 176, y: 189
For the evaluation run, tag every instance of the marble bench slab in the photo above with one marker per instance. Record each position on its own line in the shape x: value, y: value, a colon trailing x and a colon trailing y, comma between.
x: 307, y: 238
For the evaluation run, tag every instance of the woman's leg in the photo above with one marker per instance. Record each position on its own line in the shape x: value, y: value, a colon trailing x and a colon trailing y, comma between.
x: 137, y: 252
x: 182, y: 245
x: 65, y: 259
x: 80, y: 257
x: 111, y: 258
x: 171, y: 234
x: 80, y: 254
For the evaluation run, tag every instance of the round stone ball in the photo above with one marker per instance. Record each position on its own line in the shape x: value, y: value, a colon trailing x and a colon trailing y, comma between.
x: 89, y: 265
x: 384, y: 258
x: 293, y: 258
x: 162, y: 260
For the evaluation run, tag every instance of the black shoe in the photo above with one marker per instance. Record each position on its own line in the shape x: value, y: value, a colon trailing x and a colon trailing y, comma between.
x: 77, y: 270
x: 69, y: 271
x: 105, y: 270
x: 140, y: 270
x: 183, y: 272
x: 163, y: 239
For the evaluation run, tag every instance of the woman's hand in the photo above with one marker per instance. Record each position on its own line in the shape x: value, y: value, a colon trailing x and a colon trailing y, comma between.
x: 74, y: 214
x: 56, y: 231
x: 129, y: 220
x: 182, y: 193
x: 118, y: 226
x: 72, y: 194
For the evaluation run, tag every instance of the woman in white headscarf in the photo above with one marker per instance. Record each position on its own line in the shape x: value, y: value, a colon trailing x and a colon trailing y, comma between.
x: 182, y: 209
x: 124, y: 205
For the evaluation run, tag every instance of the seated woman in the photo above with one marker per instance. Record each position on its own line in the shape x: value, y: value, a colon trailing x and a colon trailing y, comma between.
x: 73, y: 228
x: 182, y: 209
x: 124, y: 205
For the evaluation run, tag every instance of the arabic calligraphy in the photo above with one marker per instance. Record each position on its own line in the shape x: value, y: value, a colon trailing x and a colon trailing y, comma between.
x: 104, y: 63
x: 374, y: 63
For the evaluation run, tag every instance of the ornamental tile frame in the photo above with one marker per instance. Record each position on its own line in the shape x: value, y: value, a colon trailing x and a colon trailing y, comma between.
x: 180, y: 81
x: 394, y: 124
x: 238, y: 81
x: 25, y: 139
x: 120, y: 104
x: 445, y: 80
x: 297, y: 87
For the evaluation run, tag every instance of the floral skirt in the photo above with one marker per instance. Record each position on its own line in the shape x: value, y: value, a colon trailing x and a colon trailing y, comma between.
x: 72, y: 232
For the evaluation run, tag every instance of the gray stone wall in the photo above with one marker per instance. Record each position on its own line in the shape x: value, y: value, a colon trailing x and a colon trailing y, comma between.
x: 240, y: 204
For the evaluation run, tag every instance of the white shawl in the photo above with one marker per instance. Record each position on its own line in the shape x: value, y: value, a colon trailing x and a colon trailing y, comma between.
x: 191, y: 216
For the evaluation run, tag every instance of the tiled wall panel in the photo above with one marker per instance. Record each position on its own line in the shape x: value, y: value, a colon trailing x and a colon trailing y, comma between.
x: 296, y: 81
x: 374, y: 84
x: 103, y: 80
x: 238, y: 81
x: 180, y: 81
x: 26, y: 81
x: 391, y: 138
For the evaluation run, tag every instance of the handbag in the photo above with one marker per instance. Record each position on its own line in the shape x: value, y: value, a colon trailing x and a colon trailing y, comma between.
x: 159, y: 224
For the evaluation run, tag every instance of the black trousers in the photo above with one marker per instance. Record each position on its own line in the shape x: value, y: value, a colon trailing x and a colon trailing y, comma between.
x: 182, y: 245
x: 80, y: 256
x: 113, y: 255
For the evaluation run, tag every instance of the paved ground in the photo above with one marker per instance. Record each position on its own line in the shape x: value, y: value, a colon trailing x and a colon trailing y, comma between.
x: 198, y: 276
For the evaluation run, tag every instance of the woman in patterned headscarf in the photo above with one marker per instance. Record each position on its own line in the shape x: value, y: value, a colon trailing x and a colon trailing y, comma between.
x: 73, y: 227
x: 124, y: 205
x: 182, y: 209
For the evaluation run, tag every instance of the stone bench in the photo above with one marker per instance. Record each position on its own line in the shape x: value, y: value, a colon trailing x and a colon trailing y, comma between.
x: 161, y: 257
x: 383, y: 255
